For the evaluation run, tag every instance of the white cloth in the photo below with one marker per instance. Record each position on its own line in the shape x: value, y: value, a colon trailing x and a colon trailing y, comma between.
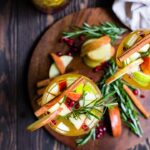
x: 135, y: 14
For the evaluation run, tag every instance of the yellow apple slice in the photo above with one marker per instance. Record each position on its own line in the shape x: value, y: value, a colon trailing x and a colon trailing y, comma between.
x: 77, y: 122
x: 91, y: 63
x: 93, y: 44
x: 102, y: 53
x: 53, y: 71
x: 123, y: 71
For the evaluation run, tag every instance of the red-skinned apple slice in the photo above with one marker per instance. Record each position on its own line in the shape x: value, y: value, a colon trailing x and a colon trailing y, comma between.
x: 53, y: 71
x: 62, y: 85
x: 115, y: 120
x: 74, y: 96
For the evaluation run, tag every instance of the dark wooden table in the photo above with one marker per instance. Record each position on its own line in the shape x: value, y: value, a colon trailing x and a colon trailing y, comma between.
x: 21, y: 26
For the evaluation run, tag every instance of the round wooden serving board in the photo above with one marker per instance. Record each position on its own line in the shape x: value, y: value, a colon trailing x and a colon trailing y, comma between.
x: 39, y: 67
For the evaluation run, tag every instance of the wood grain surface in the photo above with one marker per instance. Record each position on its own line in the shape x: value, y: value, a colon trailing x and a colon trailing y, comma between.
x: 21, y: 26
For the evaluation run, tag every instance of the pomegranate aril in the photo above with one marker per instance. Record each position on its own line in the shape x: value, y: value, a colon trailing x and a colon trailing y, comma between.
x: 85, y: 127
x: 135, y: 92
x: 53, y: 122
x: 74, y: 49
x: 71, y: 104
x: 104, y: 128
x: 69, y: 53
x: 59, y: 53
x: 96, y: 69
x: 98, y: 136
x: 142, y: 96
x: 77, y: 106
x: 82, y: 37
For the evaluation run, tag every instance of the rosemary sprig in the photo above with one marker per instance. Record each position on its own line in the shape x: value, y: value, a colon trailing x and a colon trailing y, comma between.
x: 96, y: 31
x: 96, y: 104
x: 85, y: 139
x: 128, y: 112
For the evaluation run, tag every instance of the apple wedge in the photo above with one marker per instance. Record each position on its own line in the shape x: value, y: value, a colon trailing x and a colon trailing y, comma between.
x: 125, y: 70
x: 93, y: 44
x: 53, y: 71
x: 74, y: 96
x: 101, y: 53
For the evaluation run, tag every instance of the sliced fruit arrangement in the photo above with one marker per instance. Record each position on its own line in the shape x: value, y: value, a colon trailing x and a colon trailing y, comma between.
x: 135, y: 46
x: 77, y: 106
x: 97, y: 51
x: 73, y: 105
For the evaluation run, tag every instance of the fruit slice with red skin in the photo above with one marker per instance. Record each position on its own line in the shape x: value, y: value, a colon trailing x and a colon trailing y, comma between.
x: 44, y: 120
x: 145, y: 66
x: 115, y: 121
x: 95, y: 44
x: 62, y: 85
x: 74, y: 96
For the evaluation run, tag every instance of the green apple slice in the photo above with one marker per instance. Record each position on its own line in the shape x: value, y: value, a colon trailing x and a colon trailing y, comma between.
x: 102, y: 53
x: 90, y: 63
x: 141, y: 78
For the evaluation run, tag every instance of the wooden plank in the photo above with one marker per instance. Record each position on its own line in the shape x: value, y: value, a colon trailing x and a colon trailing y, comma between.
x: 8, y: 76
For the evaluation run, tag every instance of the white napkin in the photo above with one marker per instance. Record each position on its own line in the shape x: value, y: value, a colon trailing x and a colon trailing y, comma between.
x: 135, y: 14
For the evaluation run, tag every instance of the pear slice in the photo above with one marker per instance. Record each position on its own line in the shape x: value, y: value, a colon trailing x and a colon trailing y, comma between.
x: 141, y: 78
x: 53, y: 71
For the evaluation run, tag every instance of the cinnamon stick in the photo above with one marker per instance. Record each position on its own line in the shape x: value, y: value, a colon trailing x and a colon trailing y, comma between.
x: 40, y: 91
x: 58, y: 63
x: 135, y: 47
x: 136, y: 102
x: 42, y: 83
x: 47, y: 106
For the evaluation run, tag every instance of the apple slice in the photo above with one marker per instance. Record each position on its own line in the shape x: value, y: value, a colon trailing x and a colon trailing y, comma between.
x: 65, y: 111
x: 46, y: 98
x: 53, y: 71
x: 78, y: 122
x: 74, y: 96
x: 95, y: 44
x: 79, y: 89
x: 62, y: 126
x: 124, y: 70
x: 145, y: 48
x: 54, y: 108
x: 62, y: 85
x: 135, y: 56
x: 91, y: 63
x: 54, y: 89
x: 141, y: 78
x: 115, y: 121
x: 101, y: 53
